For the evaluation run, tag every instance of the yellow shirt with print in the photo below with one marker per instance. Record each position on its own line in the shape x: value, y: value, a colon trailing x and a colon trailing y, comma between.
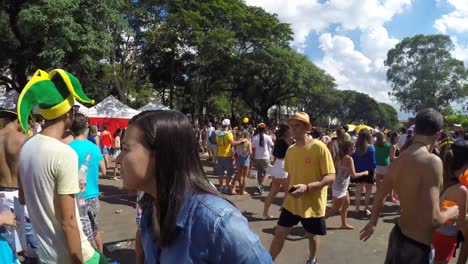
x: 306, y: 164
x: 224, y: 145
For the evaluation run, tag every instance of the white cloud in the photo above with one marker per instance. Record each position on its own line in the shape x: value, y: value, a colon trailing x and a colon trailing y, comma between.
x: 375, y: 43
x: 352, y: 69
x: 461, y: 51
x: 457, y: 20
x: 306, y: 16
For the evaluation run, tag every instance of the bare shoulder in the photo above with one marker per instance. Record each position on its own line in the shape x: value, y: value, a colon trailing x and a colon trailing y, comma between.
x: 347, y: 159
x: 461, y: 191
x: 430, y: 165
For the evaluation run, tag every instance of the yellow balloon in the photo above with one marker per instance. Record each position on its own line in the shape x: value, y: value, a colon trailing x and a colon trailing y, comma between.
x: 245, y: 120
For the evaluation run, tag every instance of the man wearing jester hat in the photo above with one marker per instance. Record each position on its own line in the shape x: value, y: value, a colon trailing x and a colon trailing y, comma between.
x: 49, y: 169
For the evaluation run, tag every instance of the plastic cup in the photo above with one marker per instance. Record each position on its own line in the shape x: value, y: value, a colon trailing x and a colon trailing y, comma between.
x: 447, y: 203
x: 463, y: 178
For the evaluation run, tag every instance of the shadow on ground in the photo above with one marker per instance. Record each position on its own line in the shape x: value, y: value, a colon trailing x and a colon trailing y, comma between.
x: 297, y: 233
x: 115, y: 195
x: 120, y: 251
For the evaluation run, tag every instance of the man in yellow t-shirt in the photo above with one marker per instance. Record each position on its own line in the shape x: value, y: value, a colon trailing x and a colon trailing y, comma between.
x: 225, y: 142
x: 310, y: 169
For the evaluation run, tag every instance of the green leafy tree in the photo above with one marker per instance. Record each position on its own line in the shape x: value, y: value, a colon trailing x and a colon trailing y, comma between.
x: 389, y: 116
x: 321, y: 105
x: 358, y: 108
x: 424, y: 74
x: 72, y: 34
x: 198, y: 48
x: 276, y: 75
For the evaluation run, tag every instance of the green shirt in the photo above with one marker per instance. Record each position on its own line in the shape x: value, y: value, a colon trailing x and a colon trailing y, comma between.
x: 382, y: 154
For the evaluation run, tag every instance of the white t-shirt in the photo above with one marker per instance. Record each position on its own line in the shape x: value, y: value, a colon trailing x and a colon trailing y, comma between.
x: 402, y: 140
x: 262, y: 152
x: 117, y: 142
x: 49, y: 168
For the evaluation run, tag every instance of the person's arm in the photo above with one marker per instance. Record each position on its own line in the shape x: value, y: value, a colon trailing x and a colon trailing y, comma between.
x: 233, y: 240
x: 102, y: 168
x: 434, y: 184
x: 372, y: 155
x: 462, y: 201
x: 349, y: 163
x: 139, y: 254
x: 69, y: 224
x: 21, y: 198
x: 96, y: 140
x: 7, y: 218
x: 66, y: 179
x: 237, y: 142
x: 379, y: 201
x: 392, y: 153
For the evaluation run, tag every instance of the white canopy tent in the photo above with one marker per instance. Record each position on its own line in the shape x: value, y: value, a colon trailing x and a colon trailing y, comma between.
x: 153, y: 105
x: 112, y: 113
x: 9, y: 99
x: 110, y: 107
x: 83, y: 109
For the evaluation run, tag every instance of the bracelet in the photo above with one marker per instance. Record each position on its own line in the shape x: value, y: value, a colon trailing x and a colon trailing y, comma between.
x: 307, y: 186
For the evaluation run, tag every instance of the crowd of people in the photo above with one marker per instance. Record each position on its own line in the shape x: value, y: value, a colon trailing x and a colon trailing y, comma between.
x: 182, y: 217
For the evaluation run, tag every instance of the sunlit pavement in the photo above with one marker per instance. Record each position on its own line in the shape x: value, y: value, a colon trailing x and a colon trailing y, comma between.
x: 338, y: 246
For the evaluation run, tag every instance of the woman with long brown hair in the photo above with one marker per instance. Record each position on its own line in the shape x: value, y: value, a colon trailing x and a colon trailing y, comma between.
x: 446, y: 236
x: 344, y: 171
x: 382, y: 157
x: 185, y: 219
x: 364, y: 160
x: 394, y: 153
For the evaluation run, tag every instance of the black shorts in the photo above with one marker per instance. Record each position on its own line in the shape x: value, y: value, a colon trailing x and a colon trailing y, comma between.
x: 402, y: 249
x: 315, y: 226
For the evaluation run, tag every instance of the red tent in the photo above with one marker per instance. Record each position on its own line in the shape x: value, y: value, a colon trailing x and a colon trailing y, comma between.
x: 111, y: 112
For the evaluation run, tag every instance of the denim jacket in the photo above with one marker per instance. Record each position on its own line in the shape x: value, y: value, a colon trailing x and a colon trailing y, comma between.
x: 211, y: 230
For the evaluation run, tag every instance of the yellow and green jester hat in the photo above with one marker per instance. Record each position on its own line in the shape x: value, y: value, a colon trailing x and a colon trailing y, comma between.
x: 53, y: 92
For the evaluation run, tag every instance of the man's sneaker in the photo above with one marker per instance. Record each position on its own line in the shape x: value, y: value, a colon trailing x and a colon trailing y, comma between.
x: 312, y: 261
x: 259, y: 189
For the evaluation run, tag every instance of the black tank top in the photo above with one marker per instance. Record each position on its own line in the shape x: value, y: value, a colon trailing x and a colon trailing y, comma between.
x: 280, y: 148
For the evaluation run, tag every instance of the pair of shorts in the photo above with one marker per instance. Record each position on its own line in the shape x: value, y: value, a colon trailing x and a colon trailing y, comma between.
x: 402, y: 249
x: 243, y: 161
x: 224, y: 164
x: 97, y: 259
x: 106, y: 150
x: 277, y: 171
x: 261, y: 165
x: 313, y: 225
x: 369, y: 179
x: 444, y: 246
x: 212, y: 147
x: 90, y: 222
x: 381, y: 170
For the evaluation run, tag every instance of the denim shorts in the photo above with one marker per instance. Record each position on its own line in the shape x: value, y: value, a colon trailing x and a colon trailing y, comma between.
x: 243, y: 161
x: 106, y: 150
x: 224, y: 165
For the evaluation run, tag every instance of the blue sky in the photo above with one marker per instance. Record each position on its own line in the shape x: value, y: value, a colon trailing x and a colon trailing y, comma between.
x: 350, y: 38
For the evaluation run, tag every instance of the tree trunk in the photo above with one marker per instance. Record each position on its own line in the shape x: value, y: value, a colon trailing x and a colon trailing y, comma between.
x: 264, y: 115
x: 171, y: 87
x: 20, y: 77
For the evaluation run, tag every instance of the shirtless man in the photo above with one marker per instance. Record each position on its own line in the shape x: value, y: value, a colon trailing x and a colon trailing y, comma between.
x: 416, y: 176
x: 11, y: 140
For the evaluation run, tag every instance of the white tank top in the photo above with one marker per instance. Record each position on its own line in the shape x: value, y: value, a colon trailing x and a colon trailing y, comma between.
x: 448, y: 229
